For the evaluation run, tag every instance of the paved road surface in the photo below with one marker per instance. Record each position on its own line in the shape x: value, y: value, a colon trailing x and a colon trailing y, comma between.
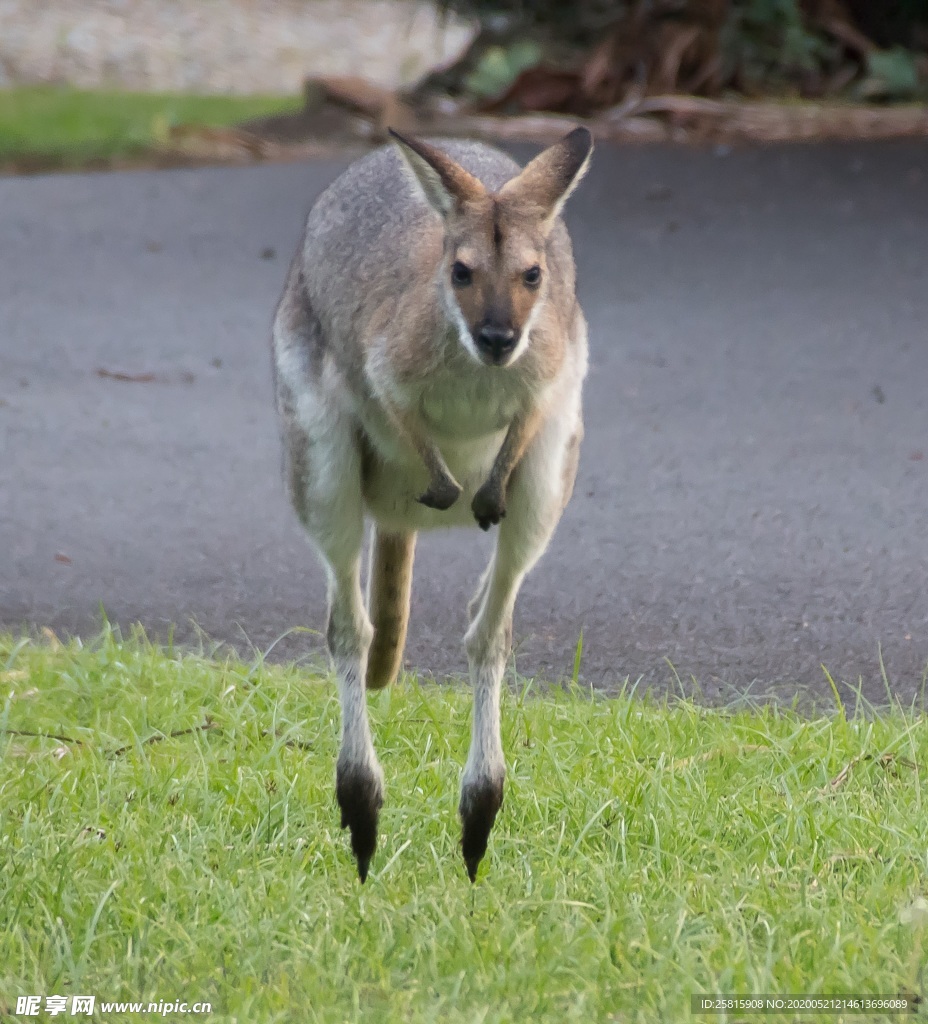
x: 753, y: 498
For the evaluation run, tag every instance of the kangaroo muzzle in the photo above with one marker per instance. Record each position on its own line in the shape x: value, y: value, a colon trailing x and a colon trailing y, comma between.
x: 495, y: 344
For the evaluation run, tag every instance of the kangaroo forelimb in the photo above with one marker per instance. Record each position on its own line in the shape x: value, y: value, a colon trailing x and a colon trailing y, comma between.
x: 489, y: 504
x: 443, y: 490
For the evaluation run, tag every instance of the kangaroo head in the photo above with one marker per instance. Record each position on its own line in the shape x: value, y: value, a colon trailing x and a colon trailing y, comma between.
x: 494, y: 272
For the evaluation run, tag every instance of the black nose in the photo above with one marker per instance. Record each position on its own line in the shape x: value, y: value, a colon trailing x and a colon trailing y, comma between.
x: 496, y: 342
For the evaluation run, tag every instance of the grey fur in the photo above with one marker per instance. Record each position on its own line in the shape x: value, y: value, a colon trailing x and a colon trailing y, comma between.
x: 387, y: 414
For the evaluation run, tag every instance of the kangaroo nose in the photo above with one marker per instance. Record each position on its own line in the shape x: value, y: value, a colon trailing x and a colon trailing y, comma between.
x: 496, y: 342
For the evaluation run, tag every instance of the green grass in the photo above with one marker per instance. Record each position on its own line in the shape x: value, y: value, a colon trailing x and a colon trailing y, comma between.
x: 646, y: 851
x: 70, y: 126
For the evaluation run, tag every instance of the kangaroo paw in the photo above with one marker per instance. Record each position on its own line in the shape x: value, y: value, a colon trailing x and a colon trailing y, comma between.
x: 442, y: 494
x: 488, y: 506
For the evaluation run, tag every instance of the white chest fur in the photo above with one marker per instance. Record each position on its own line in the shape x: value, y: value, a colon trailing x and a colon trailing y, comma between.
x: 466, y: 416
x: 468, y: 407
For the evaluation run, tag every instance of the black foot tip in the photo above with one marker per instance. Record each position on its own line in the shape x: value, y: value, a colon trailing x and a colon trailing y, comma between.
x: 360, y: 798
x: 479, y: 806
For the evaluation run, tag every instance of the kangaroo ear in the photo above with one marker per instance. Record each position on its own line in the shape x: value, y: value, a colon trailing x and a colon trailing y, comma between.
x: 445, y: 183
x: 548, y: 180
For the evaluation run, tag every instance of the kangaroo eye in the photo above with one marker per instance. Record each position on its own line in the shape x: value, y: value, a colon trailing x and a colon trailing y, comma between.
x: 461, y: 274
x: 532, y: 276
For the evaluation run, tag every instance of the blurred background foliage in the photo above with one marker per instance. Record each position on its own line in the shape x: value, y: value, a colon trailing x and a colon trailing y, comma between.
x: 593, y: 54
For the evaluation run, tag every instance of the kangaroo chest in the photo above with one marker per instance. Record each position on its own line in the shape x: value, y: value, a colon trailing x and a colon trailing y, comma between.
x: 465, y: 410
x: 467, y: 420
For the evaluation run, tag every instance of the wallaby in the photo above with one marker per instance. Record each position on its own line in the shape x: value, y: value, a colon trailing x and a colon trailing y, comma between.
x: 429, y: 357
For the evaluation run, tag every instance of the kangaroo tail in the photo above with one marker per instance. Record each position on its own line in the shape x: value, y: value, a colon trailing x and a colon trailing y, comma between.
x: 390, y: 584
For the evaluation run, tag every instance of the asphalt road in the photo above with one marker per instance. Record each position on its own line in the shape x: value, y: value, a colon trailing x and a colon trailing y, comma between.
x: 753, y: 496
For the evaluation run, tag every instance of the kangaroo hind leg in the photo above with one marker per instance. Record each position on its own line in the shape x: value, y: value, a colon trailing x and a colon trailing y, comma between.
x: 323, y: 472
x: 535, y: 499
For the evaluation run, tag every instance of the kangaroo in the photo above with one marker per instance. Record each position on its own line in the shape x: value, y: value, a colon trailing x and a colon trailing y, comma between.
x: 429, y: 356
